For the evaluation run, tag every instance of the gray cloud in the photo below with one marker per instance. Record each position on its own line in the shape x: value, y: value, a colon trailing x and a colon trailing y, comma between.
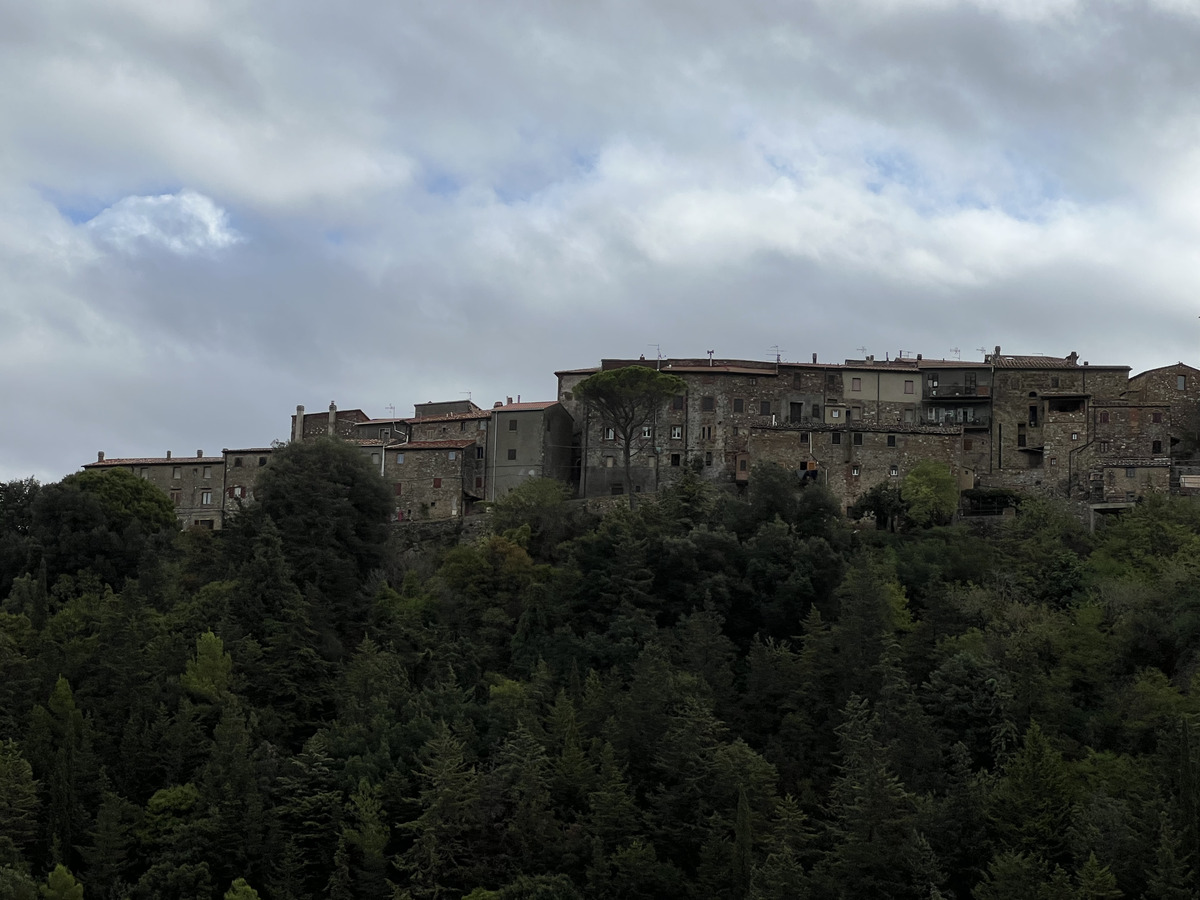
x: 211, y: 212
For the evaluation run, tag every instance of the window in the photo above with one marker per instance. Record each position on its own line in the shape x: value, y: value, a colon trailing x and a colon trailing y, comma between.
x: 856, y: 384
x: 856, y: 472
x: 1053, y: 381
x: 967, y: 444
x: 609, y: 462
x: 736, y: 430
x: 177, y: 497
x: 1104, y: 446
x: 908, y: 417
x: 437, y: 482
x: 836, y: 413
x: 675, y: 459
x: 610, y: 434
x: 677, y: 432
x: 177, y: 473
x: 677, y: 402
x: 1074, y: 435
x: 739, y: 405
x: 208, y: 471
x: 707, y: 403
x: 1181, y: 382
x: 1033, y: 415
x: 262, y: 461
x: 1156, y: 447
x: 706, y: 433
x: 908, y: 386
x: 512, y: 452
x: 236, y: 493
x: 891, y: 440
x: 478, y: 481
x: 764, y: 408
x: 483, y: 424
x: 399, y: 488
x: 374, y: 459
x: 399, y: 459
x: 646, y: 432
x: 816, y: 413
x: 1104, y: 417
x: 204, y: 523
x: 1054, y: 460
x: 512, y: 424
x: 708, y: 458
x: 858, y: 439
x: 479, y: 453
x: 743, y: 465
x: 1156, y: 418
x: 452, y: 455
x: 206, y: 498
x: 804, y: 437
x: 237, y: 462
x: 144, y: 472
x: 894, y: 470
x: 1130, y: 472
x: 836, y: 437
x: 617, y: 489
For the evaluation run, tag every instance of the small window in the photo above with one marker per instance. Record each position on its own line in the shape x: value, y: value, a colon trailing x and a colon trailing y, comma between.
x: 836, y: 413
x: 856, y: 471
x: 1130, y: 472
x: 1104, y: 446
x: 764, y: 408
x: 1156, y: 447
x: 1074, y: 435
x: 736, y: 430
x: 1104, y: 417
x: 706, y: 433
x: 891, y: 440
x: 452, y: 455
x: 512, y: 424
x: 479, y: 453
x: 675, y: 459
x: 177, y: 497
x: 894, y: 471
x: 617, y: 490
x: 144, y: 472
x: 1181, y: 382
x: 479, y: 480
x: 610, y: 434
x: 609, y: 462
x: 206, y: 498
x: 795, y: 379
x: 177, y: 473
x: 739, y: 405
x: 208, y: 471
x: 512, y: 453
x: 804, y: 437
x: 836, y: 437
x: 374, y: 459
x: 677, y: 402
x: 399, y: 488
x: 646, y: 432
x: 708, y: 458
x: 237, y: 462
x: 677, y: 432
x: 707, y: 403
x: 1156, y: 418
x: 856, y: 384
x: 908, y: 387
x: 743, y: 465
x: 908, y: 417
x: 1053, y: 381
x: 262, y: 461
x: 437, y: 482
x: 399, y: 459
x: 858, y: 439
x: 816, y: 413
x: 1054, y: 460
x: 967, y: 444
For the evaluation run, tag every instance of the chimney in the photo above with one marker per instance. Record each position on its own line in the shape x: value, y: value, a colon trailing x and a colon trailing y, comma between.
x: 1073, y: 357
x: 997, y: 351
x: 298, y: 424
x: 814, y: 359
x: 168, y: 454
x: 332, y: 418
x: 100, y: 456
x: 199, y: 454
x: 497, y: 405
x: 918, y: 357
x: 508, y: 401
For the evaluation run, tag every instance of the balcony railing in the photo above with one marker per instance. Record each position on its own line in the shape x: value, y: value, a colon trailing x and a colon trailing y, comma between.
x: 957, y: 391
x: 952, y: 418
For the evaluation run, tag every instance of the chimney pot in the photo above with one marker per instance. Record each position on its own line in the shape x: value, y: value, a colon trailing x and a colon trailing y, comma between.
x: 997, y: 349
x: 199, y: 454
x: 498, y: 404
x: 814, y: 359
x: 918, y: 357
x: 168, y: 454
x: 100, y: 456
x: 508, y: 400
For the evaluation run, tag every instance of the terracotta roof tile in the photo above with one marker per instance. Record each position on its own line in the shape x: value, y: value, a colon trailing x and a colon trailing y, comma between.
x: 156, y: 460
x: 433, y: 445
x: 525, y: 407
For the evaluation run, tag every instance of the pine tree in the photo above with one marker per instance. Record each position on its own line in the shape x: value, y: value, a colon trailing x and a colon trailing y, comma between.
x: 1096, y: 882
x: 61, y: 885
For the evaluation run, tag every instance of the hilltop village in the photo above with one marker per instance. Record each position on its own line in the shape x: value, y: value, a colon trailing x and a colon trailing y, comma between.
x: 1092, y: 435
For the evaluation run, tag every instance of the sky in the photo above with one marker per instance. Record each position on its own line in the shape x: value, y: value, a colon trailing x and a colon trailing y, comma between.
x: 211, y: 212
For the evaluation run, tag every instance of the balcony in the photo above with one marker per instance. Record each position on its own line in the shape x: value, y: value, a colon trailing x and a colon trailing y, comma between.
x: 953, y: 418
x: 957, y: 391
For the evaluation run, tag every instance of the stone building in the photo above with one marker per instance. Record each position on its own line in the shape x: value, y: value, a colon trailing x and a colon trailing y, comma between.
x: 195, y: 484
x: 1178, y: 386
x: 527, y: 440
x: 242, y: 469
x: 340, y: 423
x: 433, y: 479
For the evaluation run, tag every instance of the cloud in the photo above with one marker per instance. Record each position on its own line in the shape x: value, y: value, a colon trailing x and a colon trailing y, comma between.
x: 184, y: 223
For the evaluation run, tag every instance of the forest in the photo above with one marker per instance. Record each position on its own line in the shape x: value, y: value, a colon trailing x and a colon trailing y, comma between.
x: 705, y: 696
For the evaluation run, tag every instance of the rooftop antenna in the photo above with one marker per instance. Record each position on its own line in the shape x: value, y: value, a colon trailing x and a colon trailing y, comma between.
x: 903, y: 353
x: 982, y: 350
x: 657, y: 354
x: 957, y: 353
x: 391, y: 408
x: 862, y: 350
x: 778, y: 353
x: 468, y: 393
x: 710, y: 356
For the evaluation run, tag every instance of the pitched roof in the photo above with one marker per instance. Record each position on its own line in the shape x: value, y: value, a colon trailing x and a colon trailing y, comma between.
x: 1044, y: 362
x: 458, y: 444
x: 447, y: 417
x: 251, y: 450
x: 1169, y: 368
x: 525, y: 407
x: 155, y: 460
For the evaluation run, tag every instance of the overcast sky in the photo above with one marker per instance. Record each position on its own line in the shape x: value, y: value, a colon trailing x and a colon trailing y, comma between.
x: 213, y: 211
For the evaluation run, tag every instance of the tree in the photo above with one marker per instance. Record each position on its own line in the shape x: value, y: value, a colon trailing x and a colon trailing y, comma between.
x: 626, y: 400
x: 61, y: 885
x: 930, y: 492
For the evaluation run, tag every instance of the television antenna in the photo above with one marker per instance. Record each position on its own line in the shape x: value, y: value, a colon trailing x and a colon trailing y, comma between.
x: 957, y: 353
x: 774, y: 348
x: 391, y: 408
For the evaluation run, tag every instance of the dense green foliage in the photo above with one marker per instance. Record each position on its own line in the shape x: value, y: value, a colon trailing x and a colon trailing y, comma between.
x: 708, y: 696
